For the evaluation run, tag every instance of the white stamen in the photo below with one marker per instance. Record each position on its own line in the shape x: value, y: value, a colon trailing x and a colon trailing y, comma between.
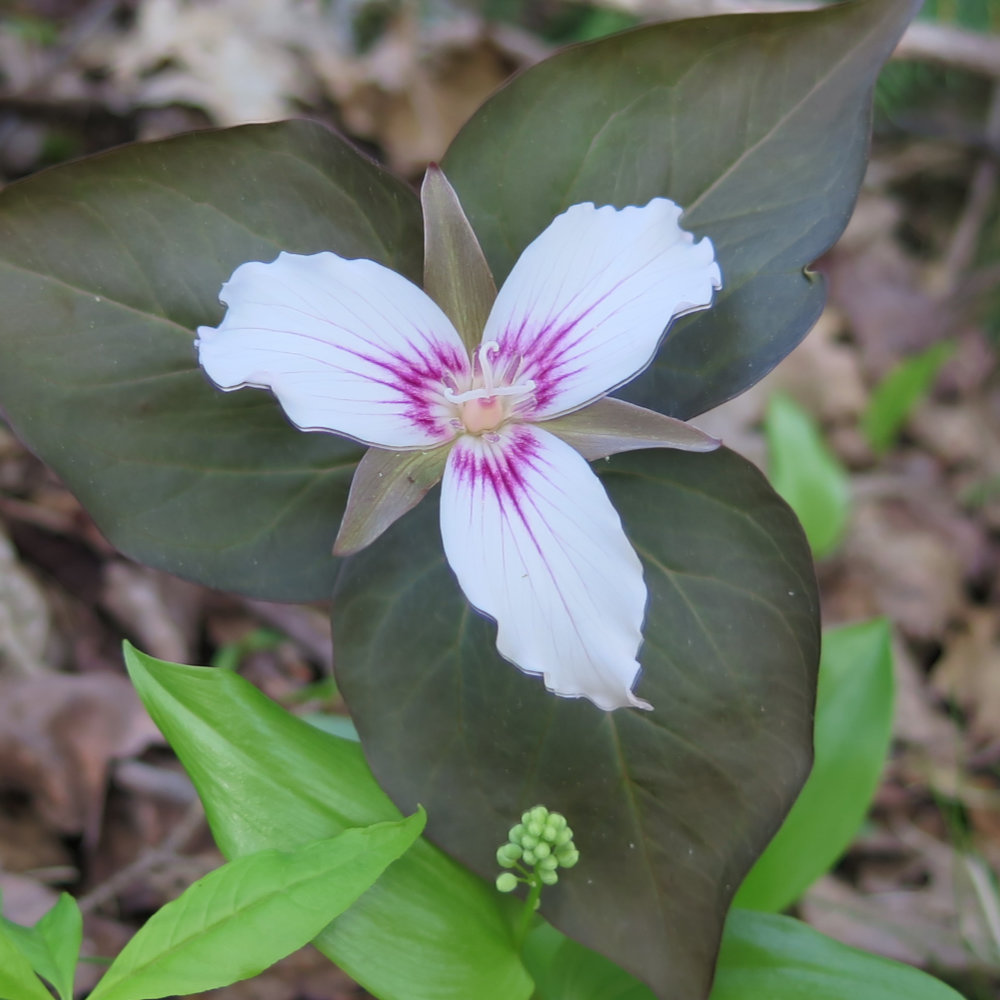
x: 485, y: 350
x: 484, y: 393
x: 489, y: 388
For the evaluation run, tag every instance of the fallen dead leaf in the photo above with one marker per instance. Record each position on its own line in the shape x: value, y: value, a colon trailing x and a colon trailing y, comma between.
x: 417, y: 85
x: 161, y: 611
x: 968, y: 672
x: 58, y: 736
x: 896, y: 563
x: 25, y: 623
x: 881, y: 290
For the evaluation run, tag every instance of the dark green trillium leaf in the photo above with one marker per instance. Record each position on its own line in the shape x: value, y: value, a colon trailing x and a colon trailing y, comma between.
x: 757, y: 125
x: 669, y: 808
x: 107, y: 266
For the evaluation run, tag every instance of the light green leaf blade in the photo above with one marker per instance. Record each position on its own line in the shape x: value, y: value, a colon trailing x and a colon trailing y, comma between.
x: 854, y: 707
x: 17, y: 978
x: 245, y: 916
x: 61, y: 932
x: 427, y: 930
x: 778, y: 958
x: 807, y: 474
x: 899, y: 392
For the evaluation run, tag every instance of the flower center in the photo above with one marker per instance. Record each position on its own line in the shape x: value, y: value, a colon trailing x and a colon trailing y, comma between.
x: 483, y: 414
x: 487, y: 405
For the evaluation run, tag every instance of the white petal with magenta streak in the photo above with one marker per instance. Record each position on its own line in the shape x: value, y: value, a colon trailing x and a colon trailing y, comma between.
x: 346, y: 345
x: 536, y: 545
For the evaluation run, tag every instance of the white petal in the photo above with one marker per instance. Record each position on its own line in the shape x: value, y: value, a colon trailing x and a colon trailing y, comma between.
x: 537, y: 546
x: 588, y: 301
x: 346, y: 345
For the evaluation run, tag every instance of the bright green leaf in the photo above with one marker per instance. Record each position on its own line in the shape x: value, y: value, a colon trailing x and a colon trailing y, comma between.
x: 427, y: 930
x: 17, y: 979
x: 52, y: 946
x: 854, y: 706
x: 899, y: 392
x: 107, y: 266
x: 770, y: 957
x: 757, y: 125
x: 61, y: 932
x: 669, y: 808
x: 245, y: 916
x: 763, y: 957
x: 807, y: 474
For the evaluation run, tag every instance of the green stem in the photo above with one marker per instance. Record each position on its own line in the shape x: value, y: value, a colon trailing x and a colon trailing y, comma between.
x: 530, y: 905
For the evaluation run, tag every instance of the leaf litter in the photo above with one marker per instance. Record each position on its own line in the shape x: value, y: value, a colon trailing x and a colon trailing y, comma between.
x: 91, y: 800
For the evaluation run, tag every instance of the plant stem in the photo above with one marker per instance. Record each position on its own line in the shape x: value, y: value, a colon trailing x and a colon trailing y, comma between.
x: 530, y: 905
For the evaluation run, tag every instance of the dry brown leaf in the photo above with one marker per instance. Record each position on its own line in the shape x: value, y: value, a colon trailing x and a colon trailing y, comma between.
x: 919, y: 926
x: 25, y: 899
x: 416, y: 87
x: 896, y: 562
x: 24, y: 617
x: 881, y: 290
x: 58, y: 736
x: 161, y: 611
x: 238, y: 60
x: 968, y: 672
x: 927, y: 732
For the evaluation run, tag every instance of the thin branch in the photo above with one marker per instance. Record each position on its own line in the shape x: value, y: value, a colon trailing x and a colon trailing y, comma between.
x: 164, y: 853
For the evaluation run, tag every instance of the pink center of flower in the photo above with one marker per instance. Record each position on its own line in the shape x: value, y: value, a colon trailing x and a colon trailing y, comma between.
x: 492, y: 398
x: 485, y: 414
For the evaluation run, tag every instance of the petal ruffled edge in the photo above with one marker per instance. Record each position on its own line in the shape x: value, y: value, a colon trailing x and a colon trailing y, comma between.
x: 587, y: 303
x: 347, y: 346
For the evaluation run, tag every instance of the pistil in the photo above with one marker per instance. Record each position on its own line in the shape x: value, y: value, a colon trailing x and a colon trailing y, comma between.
x: 486, y: 406
x: 483, y: 414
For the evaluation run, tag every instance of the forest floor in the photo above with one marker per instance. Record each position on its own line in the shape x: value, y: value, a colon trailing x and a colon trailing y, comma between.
x: 92, y: 801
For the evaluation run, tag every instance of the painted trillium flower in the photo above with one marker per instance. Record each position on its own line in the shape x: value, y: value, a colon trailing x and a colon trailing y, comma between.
x: 504, y: 401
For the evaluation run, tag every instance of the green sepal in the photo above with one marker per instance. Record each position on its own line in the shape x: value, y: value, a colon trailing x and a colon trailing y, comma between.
x: 456, y: 275
x: 385, y: 486
x: 611, y: 426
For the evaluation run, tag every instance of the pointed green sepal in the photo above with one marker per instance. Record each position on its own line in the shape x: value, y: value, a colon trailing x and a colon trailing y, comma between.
x: 385, y: 486
x: 456, y: 275
x: 610, y: 426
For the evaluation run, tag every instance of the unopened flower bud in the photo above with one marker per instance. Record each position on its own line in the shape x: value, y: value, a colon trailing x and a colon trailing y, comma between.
x: 548, y: 876
x: 542, y: 850
x: 539, y: 814
x: 508, y: 855
x: 506, y: 882
x: 568, y: 858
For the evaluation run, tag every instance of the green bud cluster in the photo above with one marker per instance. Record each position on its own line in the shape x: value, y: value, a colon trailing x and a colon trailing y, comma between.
x: 542, y: 841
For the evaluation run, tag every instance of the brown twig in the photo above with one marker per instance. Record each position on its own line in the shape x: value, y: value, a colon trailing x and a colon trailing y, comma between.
x: 163, y: 854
